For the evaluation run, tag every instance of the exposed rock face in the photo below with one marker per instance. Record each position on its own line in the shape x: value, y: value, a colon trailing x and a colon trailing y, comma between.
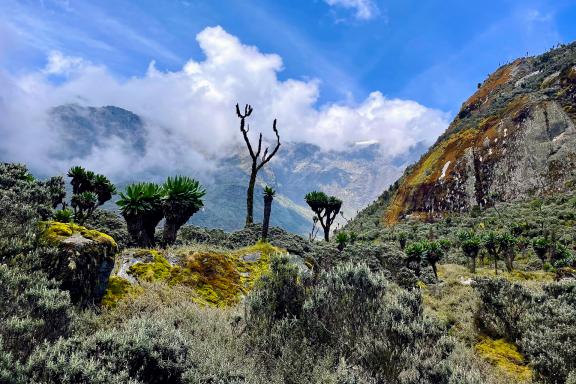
x: 84, y: 260
x: 514, y: 138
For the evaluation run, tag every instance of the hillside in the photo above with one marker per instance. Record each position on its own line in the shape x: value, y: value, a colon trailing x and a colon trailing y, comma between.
x: 513, y: 139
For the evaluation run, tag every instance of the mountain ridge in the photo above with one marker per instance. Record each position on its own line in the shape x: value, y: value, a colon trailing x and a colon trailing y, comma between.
x: 514, y: 138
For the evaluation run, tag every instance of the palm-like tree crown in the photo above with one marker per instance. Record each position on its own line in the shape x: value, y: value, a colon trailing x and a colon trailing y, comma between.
x: 184, y: 192
x: 269, y: 192
x: 140, y: 198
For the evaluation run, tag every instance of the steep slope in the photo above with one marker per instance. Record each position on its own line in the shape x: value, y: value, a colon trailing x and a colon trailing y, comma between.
x: 514, y: 138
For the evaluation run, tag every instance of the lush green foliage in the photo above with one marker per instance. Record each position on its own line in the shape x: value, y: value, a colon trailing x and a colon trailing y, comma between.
x: 144, y: 205
x: 90, y: 190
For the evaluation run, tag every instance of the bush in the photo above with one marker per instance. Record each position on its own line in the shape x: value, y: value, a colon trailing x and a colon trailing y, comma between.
x: 542, y: 324
x: 32, y: 309
x: 23, y: 201
x: 502, y: 306
x: 351, y: 315
x: 158, y: 337
x: 549, y: 331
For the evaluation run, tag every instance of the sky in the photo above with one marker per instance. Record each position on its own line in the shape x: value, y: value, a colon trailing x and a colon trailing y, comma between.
x: 334, y: 72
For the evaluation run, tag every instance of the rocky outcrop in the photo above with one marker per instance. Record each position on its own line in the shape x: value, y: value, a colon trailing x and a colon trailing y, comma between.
x: 82, y: 262
x: 514, y: 138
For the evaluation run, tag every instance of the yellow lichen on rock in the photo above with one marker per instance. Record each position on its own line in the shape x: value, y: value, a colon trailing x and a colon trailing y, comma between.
x: 118, y: 289
x: 54, y: 232
x: 506, y: 357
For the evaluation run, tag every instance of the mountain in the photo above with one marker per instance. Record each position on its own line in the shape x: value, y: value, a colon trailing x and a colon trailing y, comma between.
x: 513, y: 139
x: 355, y: 174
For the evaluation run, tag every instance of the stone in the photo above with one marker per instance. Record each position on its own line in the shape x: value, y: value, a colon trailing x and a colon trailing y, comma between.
x: 83, y: 261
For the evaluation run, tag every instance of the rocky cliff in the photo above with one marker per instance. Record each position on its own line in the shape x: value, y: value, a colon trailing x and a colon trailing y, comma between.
x: 514, y: 138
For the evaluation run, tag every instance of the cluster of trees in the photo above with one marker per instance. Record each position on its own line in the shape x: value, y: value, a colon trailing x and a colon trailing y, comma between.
x: 144, y: 205
x: 89, y: 191
x: 506, y: 245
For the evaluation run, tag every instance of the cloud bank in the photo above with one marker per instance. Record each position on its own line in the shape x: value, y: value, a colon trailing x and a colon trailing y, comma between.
x: 189, y: 114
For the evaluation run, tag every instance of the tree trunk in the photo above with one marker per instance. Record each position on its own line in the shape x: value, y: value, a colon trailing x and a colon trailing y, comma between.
x: 435, y: 271
x: 170, y: 231
x: 510, y: 261
x: 150, y: 224
x: 473, y: 264
x: 266, y: 219
x: 327, y: 233
x: 250, y: 196
x: 137, y: 232
x: 496, y: 265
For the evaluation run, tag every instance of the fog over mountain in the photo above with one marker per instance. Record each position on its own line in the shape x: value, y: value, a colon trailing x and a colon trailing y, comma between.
x: 188, y: 115
x: 77, y: 112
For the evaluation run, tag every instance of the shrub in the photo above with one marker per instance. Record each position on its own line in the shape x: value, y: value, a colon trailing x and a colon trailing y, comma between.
x: 502, y: 306
x: 158, y: 337
x: 32, y: 309
x: 64, y: 215
x: 353, y: 315
x: 548, y: 333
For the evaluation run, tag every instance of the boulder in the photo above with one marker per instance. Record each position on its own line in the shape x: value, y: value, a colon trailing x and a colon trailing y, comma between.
x: 82, y: 262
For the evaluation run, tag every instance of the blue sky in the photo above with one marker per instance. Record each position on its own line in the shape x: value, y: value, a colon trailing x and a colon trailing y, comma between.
x: 433, y: 52
x: 336, y: 73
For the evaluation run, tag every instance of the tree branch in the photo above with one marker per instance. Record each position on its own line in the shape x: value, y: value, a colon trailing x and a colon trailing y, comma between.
x: 271, y: 155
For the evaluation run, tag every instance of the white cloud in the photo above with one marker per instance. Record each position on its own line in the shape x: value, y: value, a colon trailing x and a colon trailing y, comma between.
x: 365, y: 9
x: 58, y: 64
x: 190, y: 116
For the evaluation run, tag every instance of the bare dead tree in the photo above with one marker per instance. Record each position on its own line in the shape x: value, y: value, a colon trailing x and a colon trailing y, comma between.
x: 257, y: 161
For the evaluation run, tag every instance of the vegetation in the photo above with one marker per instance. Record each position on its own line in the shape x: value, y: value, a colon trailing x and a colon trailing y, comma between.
x: 89, y: 191
x: 257, y: 161
x: 182, y: 197
x: 220, y: 307
x: 268, y: 197
x: 325, y: 207
x: 144, y: 205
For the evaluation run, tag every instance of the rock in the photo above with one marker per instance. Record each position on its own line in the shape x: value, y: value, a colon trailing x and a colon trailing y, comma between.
x: 252, y: 257
x: 515, y: 138
x: 83, y: 261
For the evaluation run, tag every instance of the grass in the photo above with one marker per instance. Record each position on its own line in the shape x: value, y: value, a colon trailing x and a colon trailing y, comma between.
x: 454, y: 302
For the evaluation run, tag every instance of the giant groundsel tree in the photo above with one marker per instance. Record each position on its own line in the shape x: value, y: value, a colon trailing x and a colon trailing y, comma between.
x: 325, y: 207
x: 182, y: 198
x: 141, y: 206
x: 144, y: 205
x: 90, y: 190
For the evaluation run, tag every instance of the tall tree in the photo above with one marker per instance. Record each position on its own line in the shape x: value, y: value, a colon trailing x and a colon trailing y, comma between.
x: 268, y: 197
x: 326, y: 208
x: 141, y: 207
x: 257, y: 161
x: 182, y: 198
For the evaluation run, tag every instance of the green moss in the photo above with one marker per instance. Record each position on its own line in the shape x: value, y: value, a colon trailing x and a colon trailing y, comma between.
x: 505, y: 356
x: 118, y: 288
x: 252, y: 271
x: 54, y: 232
x: 159, y: 269
x: 219, y: 278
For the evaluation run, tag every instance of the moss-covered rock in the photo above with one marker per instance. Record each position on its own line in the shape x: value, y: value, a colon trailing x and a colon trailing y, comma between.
x: 217, y: 277
x: 83, y: 262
